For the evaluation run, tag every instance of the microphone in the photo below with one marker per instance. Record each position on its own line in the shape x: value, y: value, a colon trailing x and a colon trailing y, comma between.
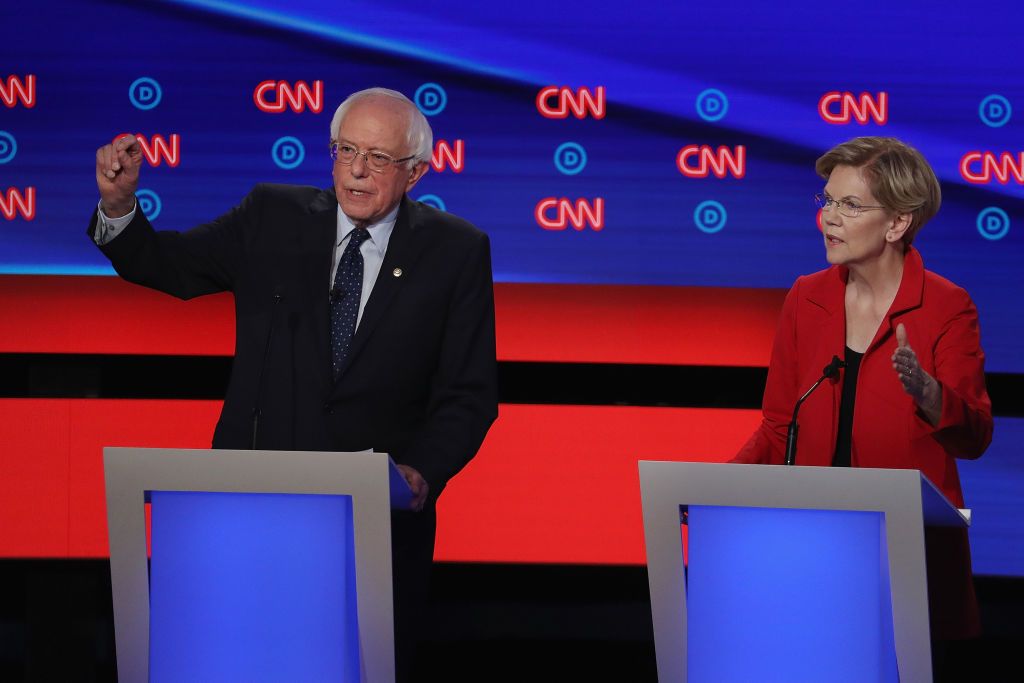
x: 257, y: 407
x: 830, y: 371
x: 337, y: 294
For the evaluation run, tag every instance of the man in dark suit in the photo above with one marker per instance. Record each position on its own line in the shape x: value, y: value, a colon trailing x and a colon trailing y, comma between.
x: 363, y: 319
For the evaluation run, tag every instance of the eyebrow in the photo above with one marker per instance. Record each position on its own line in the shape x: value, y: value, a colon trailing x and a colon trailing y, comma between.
x: 343, y: 141
x: 849, y: 196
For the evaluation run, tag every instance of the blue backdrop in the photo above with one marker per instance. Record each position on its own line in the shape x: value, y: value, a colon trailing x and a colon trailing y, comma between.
x: 722, y: 73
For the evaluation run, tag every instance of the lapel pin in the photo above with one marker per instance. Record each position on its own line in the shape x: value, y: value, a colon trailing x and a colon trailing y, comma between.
x: 397, y: 272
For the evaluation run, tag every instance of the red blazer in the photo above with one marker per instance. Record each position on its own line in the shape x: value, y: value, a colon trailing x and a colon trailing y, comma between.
x: 888, y: 430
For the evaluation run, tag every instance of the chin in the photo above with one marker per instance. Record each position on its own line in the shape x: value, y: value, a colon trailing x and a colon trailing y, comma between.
x: 834, y: 258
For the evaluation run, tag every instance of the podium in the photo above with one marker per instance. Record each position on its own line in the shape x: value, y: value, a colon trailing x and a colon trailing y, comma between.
x: 791, y: 573
x: 257, y: 565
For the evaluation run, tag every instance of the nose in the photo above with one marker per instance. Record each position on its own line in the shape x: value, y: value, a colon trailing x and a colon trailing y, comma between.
x: 830, y: 215
x: 359, y: 166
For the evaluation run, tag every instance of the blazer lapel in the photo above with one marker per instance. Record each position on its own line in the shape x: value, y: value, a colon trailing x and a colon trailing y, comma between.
x: 404, y: 249
x: 830, y: 296
x: 908, y: 296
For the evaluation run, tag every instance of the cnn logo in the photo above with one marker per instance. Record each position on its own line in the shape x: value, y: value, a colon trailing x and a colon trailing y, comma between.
x: 14, y: 90
x: 558, y: 213
x: 840, y: 108
x: 557, y: 102
x: 447, y: 155
x: 700, y: 161
x: 13, y: 202
x: 273, y: 97
x: 982, y: 167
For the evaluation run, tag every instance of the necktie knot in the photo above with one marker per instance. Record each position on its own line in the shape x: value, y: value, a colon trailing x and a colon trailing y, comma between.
x: 358, y: 236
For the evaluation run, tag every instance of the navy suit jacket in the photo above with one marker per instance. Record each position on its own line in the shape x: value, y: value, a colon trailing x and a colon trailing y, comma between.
x: 420, y: 381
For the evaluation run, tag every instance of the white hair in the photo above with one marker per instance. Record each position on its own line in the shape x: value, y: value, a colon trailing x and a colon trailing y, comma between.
x: 419, y: 137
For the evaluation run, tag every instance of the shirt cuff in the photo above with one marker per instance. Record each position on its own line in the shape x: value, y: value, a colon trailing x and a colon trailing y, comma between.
x: 108, y: 228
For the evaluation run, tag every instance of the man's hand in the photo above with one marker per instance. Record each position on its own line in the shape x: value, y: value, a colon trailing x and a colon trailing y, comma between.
x: 418, y: 484
x: 922, y: 387
x: 117, y: 175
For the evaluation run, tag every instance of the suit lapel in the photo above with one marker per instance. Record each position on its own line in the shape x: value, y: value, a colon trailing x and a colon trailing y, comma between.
x: 404, y: 249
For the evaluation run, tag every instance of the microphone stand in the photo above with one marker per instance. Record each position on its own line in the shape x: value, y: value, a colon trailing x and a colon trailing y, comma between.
x: 831, y: 370
x: 257, y: 409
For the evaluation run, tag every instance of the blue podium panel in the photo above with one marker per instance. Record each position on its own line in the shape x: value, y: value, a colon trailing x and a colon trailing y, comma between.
x: 252, y: 587
x: 789, y: 596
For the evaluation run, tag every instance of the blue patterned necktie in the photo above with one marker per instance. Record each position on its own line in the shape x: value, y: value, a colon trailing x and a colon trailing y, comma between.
x: 345, y: 295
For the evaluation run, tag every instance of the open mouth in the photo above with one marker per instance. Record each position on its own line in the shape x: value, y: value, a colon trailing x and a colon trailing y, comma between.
x: 832, y: 240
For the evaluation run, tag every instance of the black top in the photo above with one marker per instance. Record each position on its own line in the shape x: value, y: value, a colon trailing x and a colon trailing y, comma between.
x: 846, y: 404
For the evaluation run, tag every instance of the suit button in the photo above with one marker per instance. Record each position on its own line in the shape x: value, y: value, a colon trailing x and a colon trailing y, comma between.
x: 328, y: 409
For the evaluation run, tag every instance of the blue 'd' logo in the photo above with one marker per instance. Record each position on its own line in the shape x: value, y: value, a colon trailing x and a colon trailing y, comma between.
x: 149, y: 203
x: 995, y: 111
x: 710, y: 216
x: 145, y: 93
x: 8, y: 147
x: 288, y: 152
x: 432, y: 200
x: 570, y: 158
x: 993, y: 223
x: 431, y: 99
x: 712, y: 104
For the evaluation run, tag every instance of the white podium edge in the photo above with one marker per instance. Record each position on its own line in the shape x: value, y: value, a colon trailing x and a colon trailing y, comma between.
x: 365, y: 476
x: 905, y: 497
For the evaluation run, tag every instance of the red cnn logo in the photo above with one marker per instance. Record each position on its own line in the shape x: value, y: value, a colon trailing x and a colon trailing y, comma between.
x: 297, y: 96
x: 12, y: 202
x: 980, y: 167
x: 554, y: 102
x: 445, y: 155
x: 566, y: 213
x: 850, y: 106
x: 14, y: 89
x: 720, y: 162
x: 158, y: 148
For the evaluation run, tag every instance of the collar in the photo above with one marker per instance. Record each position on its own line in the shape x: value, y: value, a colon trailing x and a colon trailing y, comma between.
x: 380, y: 232
x: 829, y: 291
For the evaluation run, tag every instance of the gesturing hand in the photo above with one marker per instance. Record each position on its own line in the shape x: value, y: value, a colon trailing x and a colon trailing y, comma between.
x: 117, y: 175
x: 922, y: 387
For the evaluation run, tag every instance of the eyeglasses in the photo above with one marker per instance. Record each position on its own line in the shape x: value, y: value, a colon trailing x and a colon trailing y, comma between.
x: 844, y: 206
x: 377, y: 161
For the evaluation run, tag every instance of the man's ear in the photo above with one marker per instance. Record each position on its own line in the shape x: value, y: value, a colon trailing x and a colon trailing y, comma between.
x: 417, y: 172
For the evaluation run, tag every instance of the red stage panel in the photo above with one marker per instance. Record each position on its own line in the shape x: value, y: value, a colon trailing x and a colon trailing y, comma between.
x: 51, y: 461
x: 561, y: 484
x: 536, y: 322
x: 634, y: 324
x: 551, y: 484
x: 83, y: 314
x: 34, y: 443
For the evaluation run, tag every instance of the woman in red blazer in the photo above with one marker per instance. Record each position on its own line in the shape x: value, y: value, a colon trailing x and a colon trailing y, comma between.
x: 912, y: 394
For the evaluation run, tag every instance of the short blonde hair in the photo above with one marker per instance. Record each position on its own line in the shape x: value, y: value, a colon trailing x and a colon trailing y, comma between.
x: 898, y: 175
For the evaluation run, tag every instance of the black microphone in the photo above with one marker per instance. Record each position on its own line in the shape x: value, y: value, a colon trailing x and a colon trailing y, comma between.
x: 257, y: 407
x: 337, y: 294
x: 830, y: 371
